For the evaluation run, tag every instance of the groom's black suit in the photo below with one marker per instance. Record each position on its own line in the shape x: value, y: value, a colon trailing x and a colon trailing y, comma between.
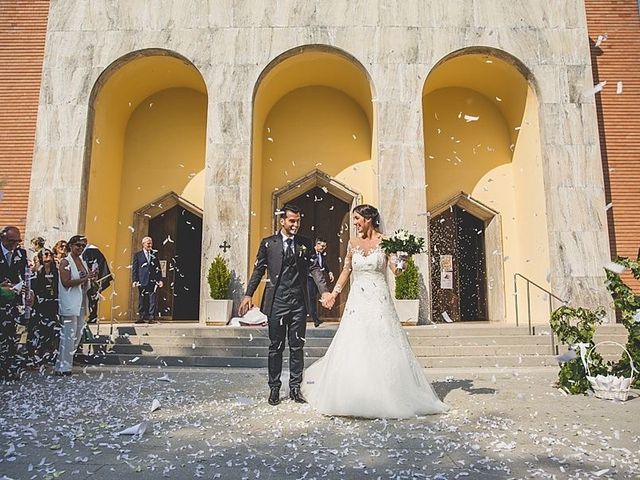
x: 286, y: 300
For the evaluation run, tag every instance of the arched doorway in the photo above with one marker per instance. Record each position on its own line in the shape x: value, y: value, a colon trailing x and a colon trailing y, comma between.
x: 326, y: 205
x: 312, y: 128
x: 145, y: 140
x: 482, y: 137
x: 175, y: 225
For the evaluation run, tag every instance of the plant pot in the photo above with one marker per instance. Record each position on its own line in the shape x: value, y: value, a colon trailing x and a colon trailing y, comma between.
x: 407, y: 311
x: 217, y: 312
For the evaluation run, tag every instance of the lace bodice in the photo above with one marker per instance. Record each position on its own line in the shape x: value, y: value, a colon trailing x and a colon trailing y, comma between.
x: 371, y: 261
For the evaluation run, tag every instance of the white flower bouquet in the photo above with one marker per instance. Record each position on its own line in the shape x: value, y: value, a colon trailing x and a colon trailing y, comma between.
x: 402, y: 245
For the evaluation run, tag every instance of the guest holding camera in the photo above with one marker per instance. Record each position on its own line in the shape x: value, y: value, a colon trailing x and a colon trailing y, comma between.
x: 74, y: 278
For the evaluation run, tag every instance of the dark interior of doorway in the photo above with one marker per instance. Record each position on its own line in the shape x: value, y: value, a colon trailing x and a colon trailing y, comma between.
x: 177, y: 235
x: 458, y: 233
x: 326, y: 216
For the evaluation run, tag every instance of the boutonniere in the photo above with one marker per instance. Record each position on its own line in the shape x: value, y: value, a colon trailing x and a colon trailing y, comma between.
x: 302, y: 249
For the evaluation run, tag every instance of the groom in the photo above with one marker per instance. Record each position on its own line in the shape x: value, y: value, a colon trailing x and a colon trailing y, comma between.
x: 288, y: 260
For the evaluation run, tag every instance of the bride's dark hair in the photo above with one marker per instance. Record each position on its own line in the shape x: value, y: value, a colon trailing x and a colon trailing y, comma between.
x: 369, y: 212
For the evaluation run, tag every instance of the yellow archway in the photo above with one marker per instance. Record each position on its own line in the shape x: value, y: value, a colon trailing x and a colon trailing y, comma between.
x: 482, y: 136
x: 146, y: 137
x: 312, y: 110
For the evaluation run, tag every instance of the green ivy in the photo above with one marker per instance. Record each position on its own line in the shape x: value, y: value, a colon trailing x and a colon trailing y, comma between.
x: 219, y: 278
x: 577, y: 325
x: 408, y: 282
x: 627, y: 303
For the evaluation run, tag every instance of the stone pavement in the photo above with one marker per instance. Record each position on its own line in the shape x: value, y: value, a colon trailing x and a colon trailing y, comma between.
x: 216, y: 423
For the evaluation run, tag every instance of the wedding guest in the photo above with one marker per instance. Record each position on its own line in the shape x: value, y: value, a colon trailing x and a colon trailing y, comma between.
x: 147, y: 277
x: 74, y: 277
x: 13, y: 265
x: 37, y: 244
x: 43, y: 335
x: 319, y: 257
x: 97, y: 263
x: 60, y: 251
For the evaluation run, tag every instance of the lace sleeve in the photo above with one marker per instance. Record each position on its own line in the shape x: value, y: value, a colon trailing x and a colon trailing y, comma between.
x: 346, y: 271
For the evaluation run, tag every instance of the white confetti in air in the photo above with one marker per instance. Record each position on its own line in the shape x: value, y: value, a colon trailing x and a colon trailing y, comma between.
x: 618, y: 88
x: 601, y: 38
x: 471, y: 118
x: 134, y: 359
x: 138, y: 429
x: 615, y: 267
x: 131, y: 228
x: 608, y: 205
x: 269, y: 139
x: 354, y: 136
x: 446, y: 317
x: 165, y: 378
x: 98, y: 141
x: 155, y: 405
x: 167, y: 240
x: 498, y: 99
x: 599, y: 473
x: 596, y: 88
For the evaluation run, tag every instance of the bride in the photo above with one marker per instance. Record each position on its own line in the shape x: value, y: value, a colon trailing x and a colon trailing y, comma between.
x: 369, y: 369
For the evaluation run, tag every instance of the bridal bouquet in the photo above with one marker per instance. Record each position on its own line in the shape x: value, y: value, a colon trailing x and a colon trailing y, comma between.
x: 402, y: 244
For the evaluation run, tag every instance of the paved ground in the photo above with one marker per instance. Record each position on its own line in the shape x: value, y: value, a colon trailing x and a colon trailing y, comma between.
x: 216, y: 423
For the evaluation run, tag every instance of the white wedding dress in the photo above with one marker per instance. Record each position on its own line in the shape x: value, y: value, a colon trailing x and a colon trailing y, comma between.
x: 369, y: 369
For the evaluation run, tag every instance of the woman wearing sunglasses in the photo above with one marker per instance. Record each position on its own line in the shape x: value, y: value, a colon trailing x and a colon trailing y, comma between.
x: 72, y: 298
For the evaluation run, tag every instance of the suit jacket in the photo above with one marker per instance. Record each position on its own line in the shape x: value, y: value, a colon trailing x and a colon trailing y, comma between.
x: 324, y: 267
x: 93, y: 256
x: 146, y: 273
x: 14, y: 272
x: 269, y: 259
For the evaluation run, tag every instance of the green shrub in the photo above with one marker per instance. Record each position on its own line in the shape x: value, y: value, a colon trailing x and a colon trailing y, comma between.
x: 577, y: 325
x: 219, y: 278
x: 408, y: 282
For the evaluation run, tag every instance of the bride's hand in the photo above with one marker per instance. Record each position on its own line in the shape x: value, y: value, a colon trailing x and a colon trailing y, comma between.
x: 328, y: 300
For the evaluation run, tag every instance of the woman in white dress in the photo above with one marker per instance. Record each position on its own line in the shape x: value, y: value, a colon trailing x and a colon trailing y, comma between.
x: 369, y: 369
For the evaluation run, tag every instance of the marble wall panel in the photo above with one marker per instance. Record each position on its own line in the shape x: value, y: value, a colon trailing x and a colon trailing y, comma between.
x: 439, y: 13
x: 228, y: 165
x: 398, y: 45
x: 234, y: 83
x: 61, y: 125
x: 564, y: 46
x: 53, y: 212
x: 78, y: 83
x: 580, y: 80
x: 57, y: 167
x: 398, y: 82
x: 231, y: 119
x: 553, y: 84
x: 358, y: 42
x: 563, y: 123
x: 343, y: 14
x: 579, y: 209
x: 220, y: 13
x: 393, y: 114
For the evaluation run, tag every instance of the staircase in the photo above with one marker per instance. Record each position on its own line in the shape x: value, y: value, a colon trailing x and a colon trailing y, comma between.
x: 441, y: 346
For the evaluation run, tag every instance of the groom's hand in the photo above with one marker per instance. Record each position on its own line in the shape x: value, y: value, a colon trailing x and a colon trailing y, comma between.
x: 327, y: 300
x: 245, y: 305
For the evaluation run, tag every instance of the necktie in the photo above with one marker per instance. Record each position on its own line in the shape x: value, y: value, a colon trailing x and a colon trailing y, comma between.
x: 289, y: 251
x: 8, y: 257
x: 146, y: 254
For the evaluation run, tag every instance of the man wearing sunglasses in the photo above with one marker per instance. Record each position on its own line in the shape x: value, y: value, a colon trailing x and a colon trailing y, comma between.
x: 13, y: 265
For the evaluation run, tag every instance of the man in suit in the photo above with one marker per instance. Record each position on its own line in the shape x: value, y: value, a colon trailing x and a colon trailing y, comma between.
x: 287, y: 259
x: 147, y: 276
x: 13, y: 265
x: 97, y: 263
x: 320, y: 257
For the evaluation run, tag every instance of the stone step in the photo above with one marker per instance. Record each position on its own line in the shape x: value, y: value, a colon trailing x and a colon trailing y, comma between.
x: 311, y: 341
x: 261, y: 362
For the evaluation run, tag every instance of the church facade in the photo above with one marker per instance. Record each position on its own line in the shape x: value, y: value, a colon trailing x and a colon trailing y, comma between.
x: 473, y: 124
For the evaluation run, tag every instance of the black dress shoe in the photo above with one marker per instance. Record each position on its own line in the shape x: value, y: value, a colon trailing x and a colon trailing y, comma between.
x: 296, y: 395
x: 317, y: 323
x: 152, y: 321
x: 140, y: 321
x: 274, y: 396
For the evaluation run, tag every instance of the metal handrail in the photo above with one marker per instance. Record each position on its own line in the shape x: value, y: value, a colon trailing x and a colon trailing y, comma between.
x: 551, y: 296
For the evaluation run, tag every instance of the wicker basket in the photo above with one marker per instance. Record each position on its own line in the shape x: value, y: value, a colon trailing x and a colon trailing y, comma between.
x: 612, y: 389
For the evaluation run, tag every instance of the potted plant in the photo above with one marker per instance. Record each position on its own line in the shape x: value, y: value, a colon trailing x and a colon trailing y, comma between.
x: 402, y: 245
x: 219, y: 307
x: 407, y: 293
